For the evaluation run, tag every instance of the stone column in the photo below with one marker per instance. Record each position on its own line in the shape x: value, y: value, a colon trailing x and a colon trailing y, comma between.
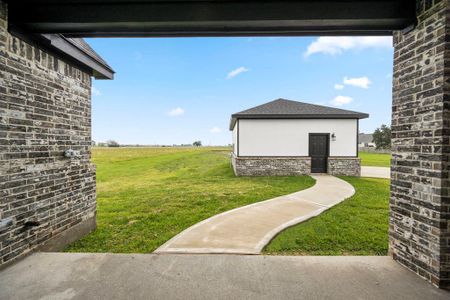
x: 419, y: 206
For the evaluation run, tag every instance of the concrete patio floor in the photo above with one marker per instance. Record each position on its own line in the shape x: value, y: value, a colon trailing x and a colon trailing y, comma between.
x: 172, y: 276
x: 376, y: 172
x: 247, y: 229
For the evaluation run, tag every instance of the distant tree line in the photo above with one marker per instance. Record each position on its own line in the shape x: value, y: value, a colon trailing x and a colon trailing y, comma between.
x: 382, y: 137
x: 113, y: 143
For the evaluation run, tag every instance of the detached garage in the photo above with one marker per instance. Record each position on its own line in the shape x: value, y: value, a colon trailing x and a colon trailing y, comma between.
x: 285, y: 137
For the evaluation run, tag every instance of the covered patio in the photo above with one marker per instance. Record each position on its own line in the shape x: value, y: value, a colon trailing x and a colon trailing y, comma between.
x: 187, y: 276
x: 419, y: 204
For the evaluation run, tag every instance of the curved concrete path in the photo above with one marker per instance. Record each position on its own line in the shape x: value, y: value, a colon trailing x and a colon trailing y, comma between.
x: 376, y: 172
x: 247, y: 229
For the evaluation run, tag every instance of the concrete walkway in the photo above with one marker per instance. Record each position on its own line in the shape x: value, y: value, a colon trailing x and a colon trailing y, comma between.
x: 376, y: 172
x: 147, y: 276
x: 247, y: 229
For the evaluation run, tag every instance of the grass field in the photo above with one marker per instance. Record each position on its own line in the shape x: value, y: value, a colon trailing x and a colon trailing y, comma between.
x: 145, y: 196
x: 375, y: 159
x: 357, y: 226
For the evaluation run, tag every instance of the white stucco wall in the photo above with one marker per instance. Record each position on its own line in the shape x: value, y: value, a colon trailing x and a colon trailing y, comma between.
x: 291, y: 137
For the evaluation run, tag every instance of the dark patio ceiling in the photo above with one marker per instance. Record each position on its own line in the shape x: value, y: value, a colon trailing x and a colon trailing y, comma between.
x: 84, y: 18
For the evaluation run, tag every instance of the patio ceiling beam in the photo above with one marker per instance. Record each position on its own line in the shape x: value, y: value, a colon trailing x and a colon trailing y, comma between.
x: 113, y: 18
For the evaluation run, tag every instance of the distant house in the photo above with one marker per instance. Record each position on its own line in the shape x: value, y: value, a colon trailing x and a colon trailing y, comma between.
x: 366, y: 140
x: 285, y: 137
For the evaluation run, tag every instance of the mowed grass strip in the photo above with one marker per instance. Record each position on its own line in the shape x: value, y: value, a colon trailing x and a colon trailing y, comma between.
x: 145, y: 196
x: 357, y: 226
x: 375, y: 159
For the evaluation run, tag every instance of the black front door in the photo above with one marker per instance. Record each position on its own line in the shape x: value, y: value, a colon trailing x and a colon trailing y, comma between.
x: 318, y: 151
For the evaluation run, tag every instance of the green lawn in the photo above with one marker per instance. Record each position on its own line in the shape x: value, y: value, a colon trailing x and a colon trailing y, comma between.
x: 357, y: 226
x: 145, y: 196
x: 375, y: 159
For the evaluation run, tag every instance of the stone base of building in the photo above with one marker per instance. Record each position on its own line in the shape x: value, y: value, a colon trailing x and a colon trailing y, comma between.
x: 271, y: 166
x: 345, y: 166
x: 292, y: 166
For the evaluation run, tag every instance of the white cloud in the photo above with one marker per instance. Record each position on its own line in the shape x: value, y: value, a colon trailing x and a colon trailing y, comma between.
x: 215, y: 130
x: 362, y: 82
x: 236, y: 72
x: 341, y: 100
x: 338, y: 86
x: 334, y: 45
x: 95, y: 92
x: 176, y: 112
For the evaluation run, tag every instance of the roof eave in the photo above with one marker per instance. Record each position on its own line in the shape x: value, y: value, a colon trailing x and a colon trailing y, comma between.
x: 59, y: 45
x: 232, y: 123
x: 99, y: 71
x: 235, y: 117
x: 300, y: 116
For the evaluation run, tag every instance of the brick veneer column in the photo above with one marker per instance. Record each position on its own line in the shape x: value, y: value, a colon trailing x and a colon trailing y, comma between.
x: 419, y: 216
x: 46, y: 200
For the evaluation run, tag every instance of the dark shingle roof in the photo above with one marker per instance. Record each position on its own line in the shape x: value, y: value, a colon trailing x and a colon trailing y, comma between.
x: 84, y: 46
x: 288, y: 109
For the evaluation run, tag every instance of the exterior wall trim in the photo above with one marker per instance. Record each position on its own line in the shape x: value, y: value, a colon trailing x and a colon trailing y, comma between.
x: 238, y: 142
x: 357, y: 137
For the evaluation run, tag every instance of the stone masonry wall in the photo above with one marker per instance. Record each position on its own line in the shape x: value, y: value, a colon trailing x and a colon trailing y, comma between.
x: 346, y: 166
x: 45, y: 109
x: 271, y: 166
x: 419, y: 224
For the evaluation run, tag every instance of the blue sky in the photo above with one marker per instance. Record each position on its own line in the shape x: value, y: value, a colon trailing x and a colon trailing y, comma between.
x: 178, y: 90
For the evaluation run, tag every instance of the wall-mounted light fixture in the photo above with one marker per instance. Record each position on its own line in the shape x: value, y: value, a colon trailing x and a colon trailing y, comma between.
x: 333, y: 137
